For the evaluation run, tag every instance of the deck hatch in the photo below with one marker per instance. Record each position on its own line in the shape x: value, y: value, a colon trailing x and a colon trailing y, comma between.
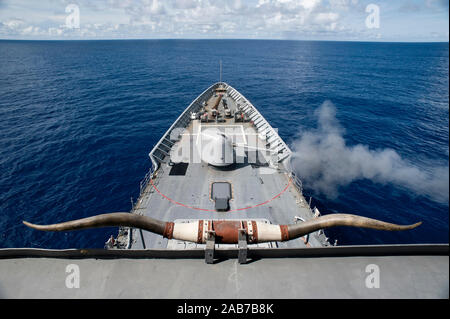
x: 179, y: 169
x: 221, y: 194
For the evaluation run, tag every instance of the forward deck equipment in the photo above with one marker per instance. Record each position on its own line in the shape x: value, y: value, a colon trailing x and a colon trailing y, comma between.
x: 221, y: 182
x: 221, y: 189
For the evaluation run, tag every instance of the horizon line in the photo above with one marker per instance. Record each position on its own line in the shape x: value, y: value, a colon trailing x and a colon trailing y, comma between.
x: 221, y: 39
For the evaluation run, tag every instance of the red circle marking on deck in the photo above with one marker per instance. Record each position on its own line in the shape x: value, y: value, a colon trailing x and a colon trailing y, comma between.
x: 212, y: 210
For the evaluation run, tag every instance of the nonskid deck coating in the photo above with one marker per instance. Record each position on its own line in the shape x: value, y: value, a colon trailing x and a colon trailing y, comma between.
x: 272, y: 278
x: 258, y: 191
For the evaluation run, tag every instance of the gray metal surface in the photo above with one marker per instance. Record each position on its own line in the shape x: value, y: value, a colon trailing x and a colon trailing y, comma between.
x: 160, y: 268
x: 221, y: 194
x: 259, y: 190
x: 401, y: 276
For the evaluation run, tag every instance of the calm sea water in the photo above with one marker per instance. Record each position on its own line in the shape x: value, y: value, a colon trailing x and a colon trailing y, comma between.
x: 78, y: 119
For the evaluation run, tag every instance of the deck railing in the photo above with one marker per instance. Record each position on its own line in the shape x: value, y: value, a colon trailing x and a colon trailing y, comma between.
x: 157, y: 155
x: 143, y: 184
x: 274, y: 141
x: 297, y: 181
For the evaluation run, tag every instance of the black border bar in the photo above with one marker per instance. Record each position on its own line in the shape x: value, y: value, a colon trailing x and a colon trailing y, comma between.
x: 254, y: 253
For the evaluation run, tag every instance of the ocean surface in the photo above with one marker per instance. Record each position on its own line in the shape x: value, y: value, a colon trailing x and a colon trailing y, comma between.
x: 78, y: 119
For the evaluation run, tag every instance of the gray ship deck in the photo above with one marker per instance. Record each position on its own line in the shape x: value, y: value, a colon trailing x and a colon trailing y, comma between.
x: 265, y: 190
x: 259, y: 190
x: 413, y: 271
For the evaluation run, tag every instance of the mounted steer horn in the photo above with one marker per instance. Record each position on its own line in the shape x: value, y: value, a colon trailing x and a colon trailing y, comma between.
x: 226, y: 231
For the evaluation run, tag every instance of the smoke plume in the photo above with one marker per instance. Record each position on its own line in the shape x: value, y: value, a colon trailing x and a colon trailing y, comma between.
x: 324, y: 162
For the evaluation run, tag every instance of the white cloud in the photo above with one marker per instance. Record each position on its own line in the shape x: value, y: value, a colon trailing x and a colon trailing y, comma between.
x: 321, y: 19
x: 14, y: 23
x: 310, y: 4
x: 326, y: 17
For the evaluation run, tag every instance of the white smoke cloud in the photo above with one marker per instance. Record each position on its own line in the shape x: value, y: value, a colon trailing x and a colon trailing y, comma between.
x: 325, y: 163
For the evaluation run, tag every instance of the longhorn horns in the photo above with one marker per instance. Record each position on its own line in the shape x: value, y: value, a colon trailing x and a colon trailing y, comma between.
x: 226, y: 231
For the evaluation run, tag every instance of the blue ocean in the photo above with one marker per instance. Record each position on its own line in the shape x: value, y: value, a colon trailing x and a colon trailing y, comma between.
x: 78, y: 119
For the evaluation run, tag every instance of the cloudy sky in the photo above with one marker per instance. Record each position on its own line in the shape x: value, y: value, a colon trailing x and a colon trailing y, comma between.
x: 354, y: 20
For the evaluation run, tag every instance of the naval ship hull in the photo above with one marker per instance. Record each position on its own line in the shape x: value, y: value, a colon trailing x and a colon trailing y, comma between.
x: 263, y: 186
x: 190, y: 187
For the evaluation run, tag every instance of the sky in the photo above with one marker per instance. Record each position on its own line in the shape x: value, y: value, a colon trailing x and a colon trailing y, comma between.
x: 335, y: 20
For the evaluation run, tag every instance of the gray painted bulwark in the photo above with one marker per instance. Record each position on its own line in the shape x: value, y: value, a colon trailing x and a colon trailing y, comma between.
x: 403, y: 271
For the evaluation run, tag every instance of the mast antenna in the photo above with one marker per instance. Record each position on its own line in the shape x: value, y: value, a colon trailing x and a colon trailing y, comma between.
x: 220, y: 71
